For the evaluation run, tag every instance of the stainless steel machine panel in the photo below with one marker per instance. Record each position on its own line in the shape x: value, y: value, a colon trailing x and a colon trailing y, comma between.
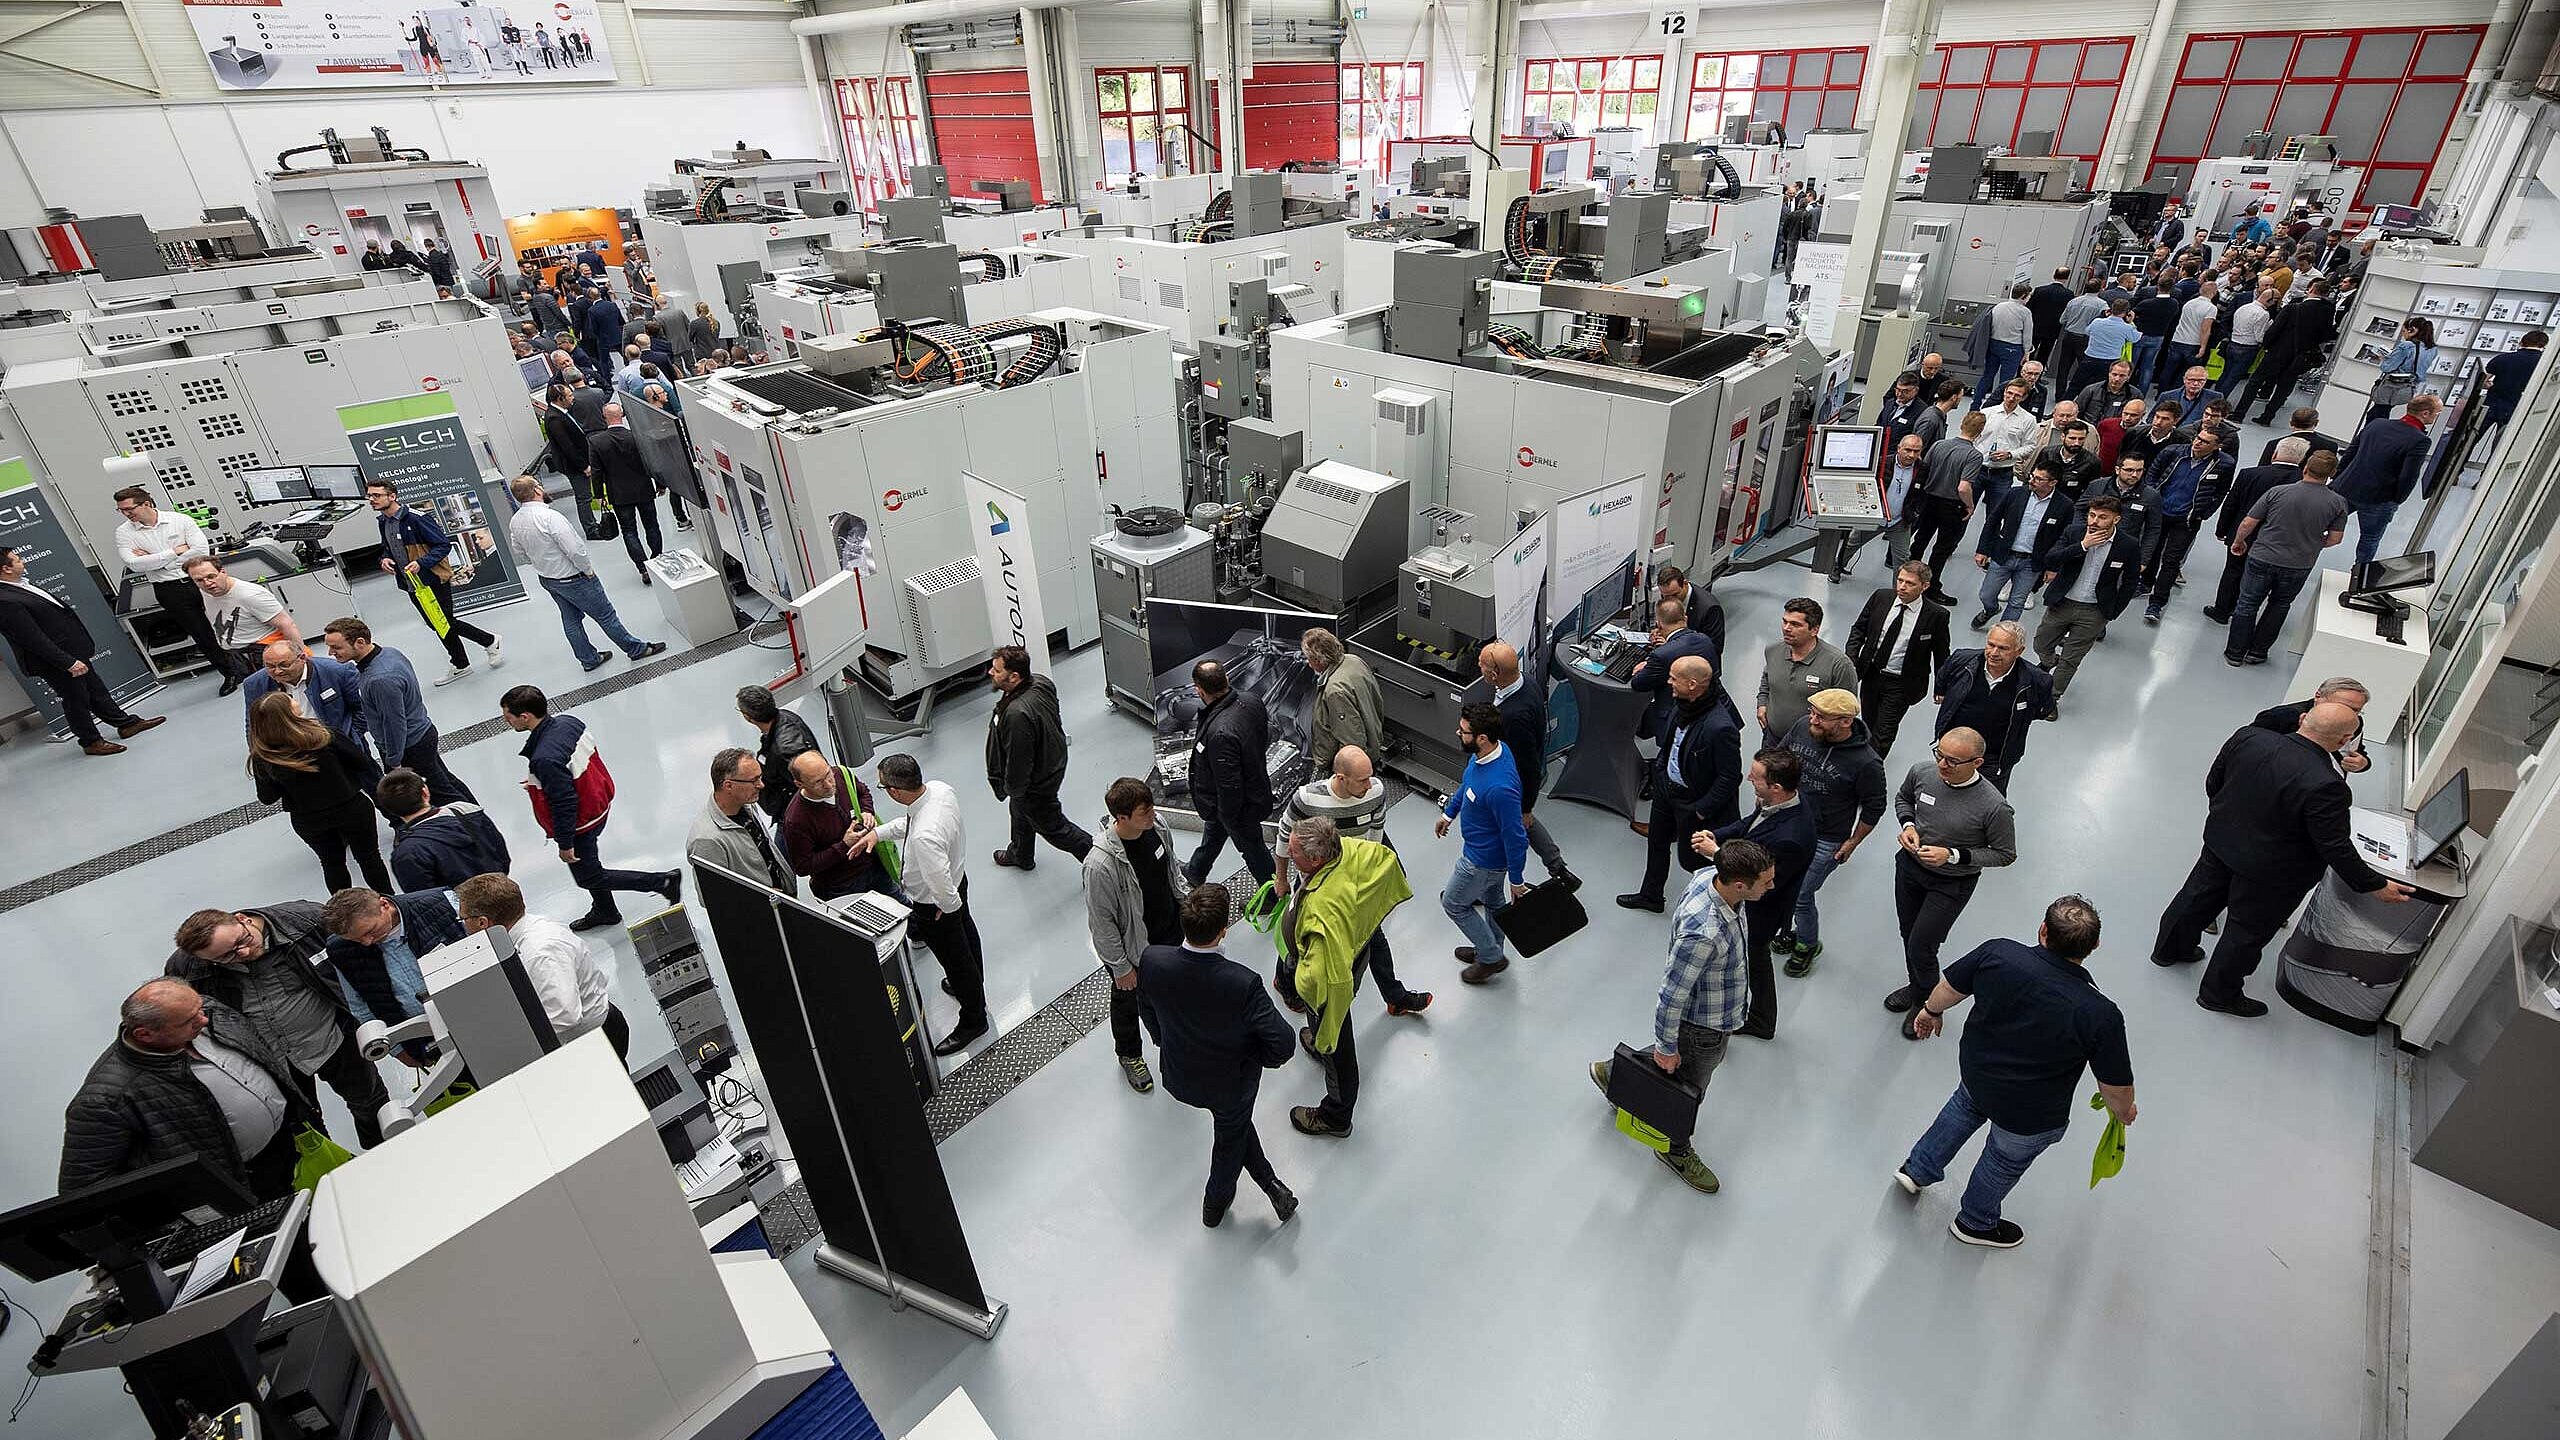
x: 1335, y: 535
x: 1128, y: 570
x: 1444, y: 600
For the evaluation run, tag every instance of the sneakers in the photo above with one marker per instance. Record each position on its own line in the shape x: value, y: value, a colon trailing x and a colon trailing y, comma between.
x: 1600, y: 1075
x: 2004, y: 1235
x: 592, y: 665
x: 2151, y: 615
x: 1640, y: 901
x: 451, y: 674
x: 1307, y: 1120
x: 1420, y: 1002
x: 1800, y: 964
x: 497, y: 655
x: 1903, y: 1178
x: 1693, y: 1172
x: 1981, y: 620
x: 1134, y: 1070
x: 654, y: 647
x: 1479, y: 973
x: 2246, y: 1007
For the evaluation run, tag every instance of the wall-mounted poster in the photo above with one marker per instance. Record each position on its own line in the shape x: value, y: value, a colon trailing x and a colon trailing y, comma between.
x: 343, y: 44
x: 1258, y: 648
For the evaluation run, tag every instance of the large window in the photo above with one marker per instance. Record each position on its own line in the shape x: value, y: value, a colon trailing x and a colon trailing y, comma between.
x: 2387, y: 95
x: 1379, y: 103
x: 1140, y: 108
x: 1800, y: 89
x: 1991, y: 94
x: 879, y: 119
x: 1589, y: 94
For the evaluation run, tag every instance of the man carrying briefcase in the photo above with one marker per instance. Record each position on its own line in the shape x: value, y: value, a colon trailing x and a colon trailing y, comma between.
x: 1706, y: 995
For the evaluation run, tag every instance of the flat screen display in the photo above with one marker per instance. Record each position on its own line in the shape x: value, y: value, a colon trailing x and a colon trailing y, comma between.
x: 1850, y: 449
x: 273, y: 485
x: 335, y: 482
x: 536, y: 371
x: 2400, y: 572
x: 2442, y: 819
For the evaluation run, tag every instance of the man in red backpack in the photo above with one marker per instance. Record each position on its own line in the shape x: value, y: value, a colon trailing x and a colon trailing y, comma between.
x: 572, y: 794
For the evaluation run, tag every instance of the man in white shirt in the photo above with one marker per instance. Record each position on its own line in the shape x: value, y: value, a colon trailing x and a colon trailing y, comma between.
x: 572, y: 987
x: 2013, y: 328
x: 154, y: 546
x: 1901, y: 484
x: 553, y: 549
x: 2193, y: 334
x: 930, y: 845
x: 246, y: 617
x: 2249, y: 326
x: 2008, y: 441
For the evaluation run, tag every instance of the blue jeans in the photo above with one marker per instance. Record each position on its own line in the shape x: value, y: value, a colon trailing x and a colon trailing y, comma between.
x: 1999, y: 370
x: 2006, y: 1154
x: 1807, y: 924
x: 2236, y: 360
x: 1473, y: 896
x: 583, y: 599
x: 2145, y: 357
x: 2262, y: 586
x: 2017, y: 576
x: 2371, y: 521
x: 2174, y: 360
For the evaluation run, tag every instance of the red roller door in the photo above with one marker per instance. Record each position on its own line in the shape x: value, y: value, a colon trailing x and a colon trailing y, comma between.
x: 1291, y: 112
x: 982, y: 128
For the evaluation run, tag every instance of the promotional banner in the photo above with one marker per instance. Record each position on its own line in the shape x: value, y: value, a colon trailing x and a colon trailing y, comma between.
x: 1598, y: 534
x: 1520, y: 590
x: 30, y: 525
x: 555, y: 237
x: 1821, y: 269
x: 332, y: 44
x: 417, y: 443
x: 1001, y: 521
x: 1259, y: 651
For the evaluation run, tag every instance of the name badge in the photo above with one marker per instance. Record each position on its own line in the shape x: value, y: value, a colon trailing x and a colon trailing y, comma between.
x: 1471, y: 794
x: 2022, y: 704
x: 1813, y: 682
x: 2137, y: 509
x: 328, y: 694
x: 1928, y: 799
x: 1199, y: 747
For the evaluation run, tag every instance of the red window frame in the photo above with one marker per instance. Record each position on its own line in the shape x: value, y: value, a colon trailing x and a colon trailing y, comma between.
x: 1832, y: 94
x: 1370, y: 118
x: 878, y: 115
x: 1170, y: 144
x: 1578, y: 89
x: 1957, y: 98
x: 2210, y: 73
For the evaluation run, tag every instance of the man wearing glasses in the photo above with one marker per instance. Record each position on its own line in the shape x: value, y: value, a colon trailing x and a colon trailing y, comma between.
x: 1955, y: 825
x: 730, y: 831
x: 154, y: 547
x: 270, y: 964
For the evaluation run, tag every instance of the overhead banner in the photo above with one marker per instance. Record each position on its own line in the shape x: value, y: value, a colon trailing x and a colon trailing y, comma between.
x: 31, y: 526
x: 340, y: 44
x: 1001, y: 521
x: 417, y: 444
x: 1520, y: 588
x: 1821, y: 269
x: 1598, y: 534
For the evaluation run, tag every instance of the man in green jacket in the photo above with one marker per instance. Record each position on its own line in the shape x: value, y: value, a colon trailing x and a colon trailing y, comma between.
x: 1348, y: 707
x: 1334, y: 929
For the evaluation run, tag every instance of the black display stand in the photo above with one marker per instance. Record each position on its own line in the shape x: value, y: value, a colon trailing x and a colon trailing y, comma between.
x: 816, y: 1002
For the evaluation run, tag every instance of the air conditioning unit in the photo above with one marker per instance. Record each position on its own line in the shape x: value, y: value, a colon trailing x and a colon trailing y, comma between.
x: 947, y: 613
x: 1405, y: 442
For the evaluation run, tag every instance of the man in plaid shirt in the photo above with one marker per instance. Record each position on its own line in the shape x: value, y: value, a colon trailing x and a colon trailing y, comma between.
x: 1706, y: 995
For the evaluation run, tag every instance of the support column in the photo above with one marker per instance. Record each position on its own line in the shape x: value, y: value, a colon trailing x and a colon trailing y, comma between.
x: 1493, y: 33
x: 1910, y: 29
x: 1040, y: 65
x: 2150, y: 53
x: 1235, y: 64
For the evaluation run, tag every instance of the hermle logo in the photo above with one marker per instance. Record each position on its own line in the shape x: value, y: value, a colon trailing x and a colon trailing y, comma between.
x: 1529, y: 457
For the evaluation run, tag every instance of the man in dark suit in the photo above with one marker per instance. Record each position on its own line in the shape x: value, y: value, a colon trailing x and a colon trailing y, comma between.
x: 2046, y: 306
x: 2306, y: 427
x: 1672, y: 639
x: 2293, y: 345
x: 1998, y: 695
x: 1230, y: 774
x: 2381, y: 469
x: 1901, y: 409
x: 1217, y: 1031
x: 2283, y: 467
x: 1782, y: 825
x: 2026, y: 521
x: 2278, y: 817
x: 602, y: 327
x: 53, y: 646
x: 329, y: 691
x: 1706, y: 613
x: 1694, y: 776
x: 2094, y: 575
x: 615, y: 464
x: 1522, y: 703
x: 1898, y: 642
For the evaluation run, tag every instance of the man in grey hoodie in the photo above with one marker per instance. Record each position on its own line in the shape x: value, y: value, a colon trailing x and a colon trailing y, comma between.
x: 1133, y: 889
x: 1027, y: 762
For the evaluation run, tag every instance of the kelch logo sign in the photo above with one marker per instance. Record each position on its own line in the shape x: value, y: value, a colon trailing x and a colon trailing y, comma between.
x: 432, y: 437
x: 1529, y: 457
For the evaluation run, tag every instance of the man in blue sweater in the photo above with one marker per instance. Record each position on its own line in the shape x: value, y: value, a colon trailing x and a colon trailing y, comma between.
x: 404, y: 734
x: 1494, y: 843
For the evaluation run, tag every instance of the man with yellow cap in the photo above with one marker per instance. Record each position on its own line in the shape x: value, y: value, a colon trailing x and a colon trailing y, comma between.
x: 1842, y: 782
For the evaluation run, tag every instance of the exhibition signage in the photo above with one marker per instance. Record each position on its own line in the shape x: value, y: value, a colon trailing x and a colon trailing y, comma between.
x: 1519, y: 587
x: 1822, y: 269
x: 1596, y: 532
x: 417, y: 444
x: 30, y: 525
x: 1001, y: 522
x: 340, y: 44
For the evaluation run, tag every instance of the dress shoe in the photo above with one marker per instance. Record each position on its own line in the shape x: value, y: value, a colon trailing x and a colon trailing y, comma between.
x: 1641, y: 827
x: 1480, y: 974
x: 673, y: 888
x: 2192, y: 956
x: 1284, y: 1201
x: 1307, y: 1120
x: 596, y: 920
x: 960, y: 1039
x: 1902, y: 999
x: 2253, y: 659
x: 1911, y: 1025
x: 1212, y: 1211
x: 230, y: 685
x: 102, y: 747
x: 1005, y: 861
x: 2245, y: 1006
x: 2218, y: 617
x: 1635, y: 901
x: 1466, y: 954
x: 645, y: 580
x: 947, y: 990
x: 137, y: 725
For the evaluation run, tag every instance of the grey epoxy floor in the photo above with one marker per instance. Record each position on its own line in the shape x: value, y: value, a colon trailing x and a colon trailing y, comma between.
x: 1485, y: 1254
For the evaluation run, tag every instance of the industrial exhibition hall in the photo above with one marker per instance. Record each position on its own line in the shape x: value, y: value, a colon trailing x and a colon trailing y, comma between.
x: 714, y: 711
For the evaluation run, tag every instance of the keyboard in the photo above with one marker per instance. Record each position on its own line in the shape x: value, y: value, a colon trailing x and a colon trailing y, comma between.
x: 1622, y: 668
x: 183, y: 1244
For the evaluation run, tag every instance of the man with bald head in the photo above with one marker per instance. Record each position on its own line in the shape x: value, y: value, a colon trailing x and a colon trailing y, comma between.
x: 1523, y: 703
x: 2277, y: 817
x: 185, y: 1075
x: 323, y: 689
x: 830, y: 828
x: 616, y: 466
x: 1955, y: 825
x: 1696, y: 772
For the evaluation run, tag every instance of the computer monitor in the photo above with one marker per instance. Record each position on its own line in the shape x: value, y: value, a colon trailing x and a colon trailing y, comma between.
x: 1604, y: 599
x: 275, y: 484
x: 536, y: 370
x: 335, y: 482
x: 56, y: 1236
x: 2400, y: 572
x: 1849, y: 447
x: 2441, y: 820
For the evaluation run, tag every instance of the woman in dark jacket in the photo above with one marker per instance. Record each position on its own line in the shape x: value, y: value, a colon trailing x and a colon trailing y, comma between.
x: 318, y: 775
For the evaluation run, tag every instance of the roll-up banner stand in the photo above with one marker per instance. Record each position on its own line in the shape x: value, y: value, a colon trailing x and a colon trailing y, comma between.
x: 30, y: 525
x: 1001, y: 521
x: 417, y: 444
x: 824, y: 1013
